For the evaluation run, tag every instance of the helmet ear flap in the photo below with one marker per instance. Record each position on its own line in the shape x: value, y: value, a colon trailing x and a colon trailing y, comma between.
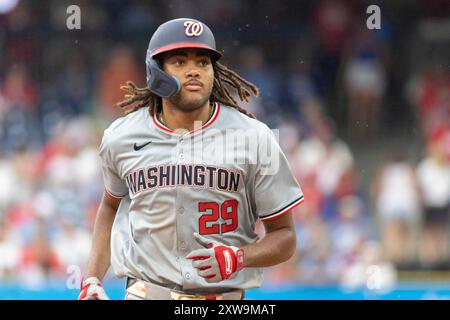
x: 159, y: 82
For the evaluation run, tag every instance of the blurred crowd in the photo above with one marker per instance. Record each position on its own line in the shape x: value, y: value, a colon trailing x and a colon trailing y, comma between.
x: 330, y: 85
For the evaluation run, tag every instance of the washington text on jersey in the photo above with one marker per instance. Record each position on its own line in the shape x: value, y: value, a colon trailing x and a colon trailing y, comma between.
x: 202, y: 176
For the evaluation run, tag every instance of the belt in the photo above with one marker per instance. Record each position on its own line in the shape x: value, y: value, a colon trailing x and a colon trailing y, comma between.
x: 156, y: 291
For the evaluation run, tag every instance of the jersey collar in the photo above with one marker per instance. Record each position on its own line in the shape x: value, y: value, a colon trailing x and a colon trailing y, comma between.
x: 213, y: 117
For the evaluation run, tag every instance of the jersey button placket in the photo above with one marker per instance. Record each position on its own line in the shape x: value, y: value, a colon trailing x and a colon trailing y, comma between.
x: 179, y: 210
x: 181, y: 146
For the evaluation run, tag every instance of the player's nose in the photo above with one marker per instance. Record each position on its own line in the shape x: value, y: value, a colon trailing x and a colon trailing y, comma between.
x: 192, y: 69
x: 193, y: 72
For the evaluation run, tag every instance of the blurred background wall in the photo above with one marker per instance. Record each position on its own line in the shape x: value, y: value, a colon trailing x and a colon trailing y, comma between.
x: 364, y: 118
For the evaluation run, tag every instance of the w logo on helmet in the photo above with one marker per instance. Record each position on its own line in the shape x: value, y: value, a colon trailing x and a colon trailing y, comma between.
x: 193, y: 29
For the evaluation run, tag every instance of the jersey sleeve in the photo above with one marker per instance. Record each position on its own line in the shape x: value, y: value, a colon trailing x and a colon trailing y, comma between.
x: 276, y: 189
x: 114, y: 185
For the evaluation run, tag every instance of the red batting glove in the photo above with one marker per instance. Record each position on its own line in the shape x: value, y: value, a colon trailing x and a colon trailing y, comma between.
x: 218, y: 262
x: 92, y: 289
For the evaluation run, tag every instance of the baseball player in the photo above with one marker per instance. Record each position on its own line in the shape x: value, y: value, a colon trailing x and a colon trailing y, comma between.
x: 177, y: 217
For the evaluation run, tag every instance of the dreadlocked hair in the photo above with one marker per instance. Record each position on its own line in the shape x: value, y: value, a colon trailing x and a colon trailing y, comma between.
x: 224, y: 78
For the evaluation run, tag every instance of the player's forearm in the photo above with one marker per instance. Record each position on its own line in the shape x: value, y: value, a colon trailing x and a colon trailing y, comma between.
x: 99, y: 260
x: 274, y: 248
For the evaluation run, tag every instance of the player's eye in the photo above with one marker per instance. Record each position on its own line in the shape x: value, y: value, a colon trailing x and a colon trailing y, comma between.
x: 203, y: 62
x: 179, y: 62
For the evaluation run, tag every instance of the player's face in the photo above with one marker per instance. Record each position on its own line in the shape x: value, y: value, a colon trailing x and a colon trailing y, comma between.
x: 193, y: 68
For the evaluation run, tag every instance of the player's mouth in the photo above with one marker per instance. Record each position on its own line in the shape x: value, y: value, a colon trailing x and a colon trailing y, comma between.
x: 193, y: 85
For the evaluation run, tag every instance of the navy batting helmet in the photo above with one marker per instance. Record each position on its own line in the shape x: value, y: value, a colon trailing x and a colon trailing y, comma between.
x: 171, y: 35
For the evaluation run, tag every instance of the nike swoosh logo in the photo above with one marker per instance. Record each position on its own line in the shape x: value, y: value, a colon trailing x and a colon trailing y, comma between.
x: 137, y: 148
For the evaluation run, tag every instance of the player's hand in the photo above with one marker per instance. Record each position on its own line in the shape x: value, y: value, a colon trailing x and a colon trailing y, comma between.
x: 91, y: 289
x: 217, y: 262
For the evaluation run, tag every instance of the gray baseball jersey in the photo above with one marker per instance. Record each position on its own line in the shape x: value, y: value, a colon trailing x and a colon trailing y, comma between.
x: 216, y: 180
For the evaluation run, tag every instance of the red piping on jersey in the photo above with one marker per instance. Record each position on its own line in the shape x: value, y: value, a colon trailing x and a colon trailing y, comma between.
x: 113, y: 195
x: 160, y: 125
x: 207, y: 124
x: 284, y: 211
